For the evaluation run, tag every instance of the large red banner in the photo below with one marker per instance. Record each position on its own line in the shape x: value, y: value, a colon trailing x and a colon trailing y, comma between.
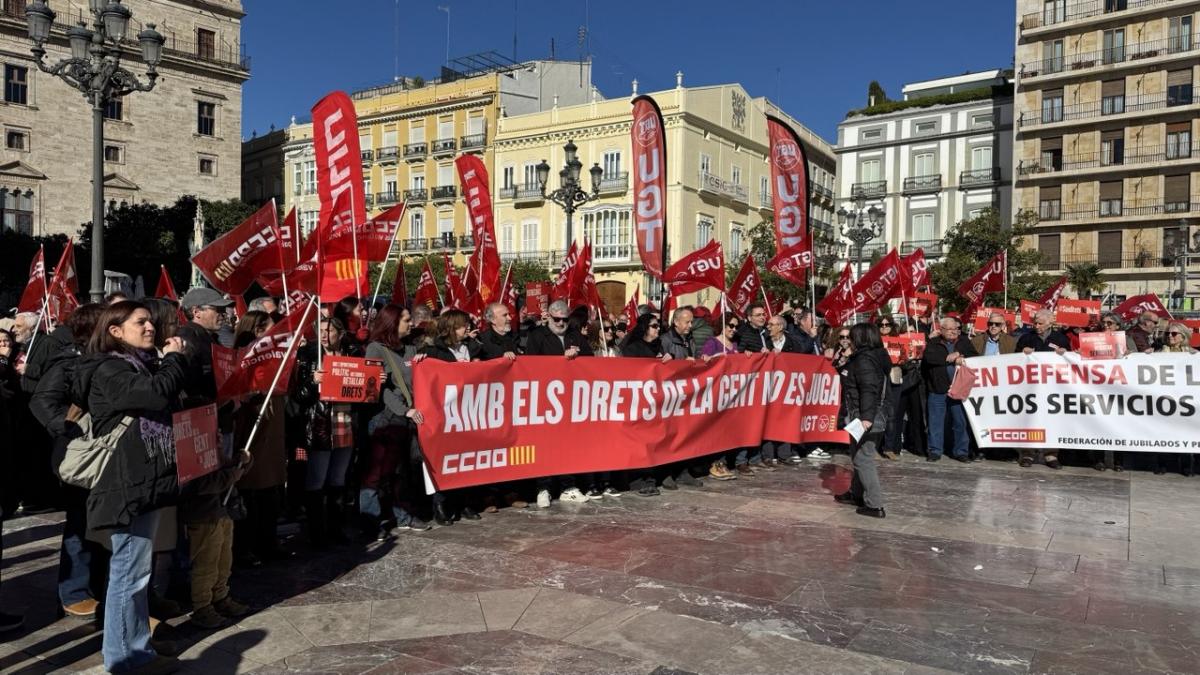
x: 339, y: 163
x: 496, y: 421
x: 649, y: 184
x: 789, y: 176
x: 233, y: 260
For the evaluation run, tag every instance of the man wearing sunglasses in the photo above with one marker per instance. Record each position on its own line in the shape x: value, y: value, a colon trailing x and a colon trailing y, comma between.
x: 1142, y: 333
x: 995, y: 340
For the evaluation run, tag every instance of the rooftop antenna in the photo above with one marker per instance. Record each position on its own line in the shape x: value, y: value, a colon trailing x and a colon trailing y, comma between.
x: 396, y: 44
x: 446, y: 9
x: 514, y: 57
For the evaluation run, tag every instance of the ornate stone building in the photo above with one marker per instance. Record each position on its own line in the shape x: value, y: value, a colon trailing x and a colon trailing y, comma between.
x: 184, y: 137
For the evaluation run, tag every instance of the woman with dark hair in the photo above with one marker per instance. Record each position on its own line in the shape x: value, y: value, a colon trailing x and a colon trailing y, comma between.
x: 254, y: 537
x: 865, y: 388
x: 724, y: 342
x: 349, y: 311
x: 393, y: 430
x: 127, y: 389
x: 643, y: 339
x: 164, y: 314
x: 326, y: 432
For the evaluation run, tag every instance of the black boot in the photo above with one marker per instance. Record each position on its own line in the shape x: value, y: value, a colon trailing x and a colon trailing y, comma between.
x: 314, y: 510
x: 440, y: 516
x: 335, y: 516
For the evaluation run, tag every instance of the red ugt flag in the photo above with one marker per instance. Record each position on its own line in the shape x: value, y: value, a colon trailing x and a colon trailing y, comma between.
x: 879, y: 284
x: 746, y: 287
x: 913, y: 272
x: 702, y: 268
x: 838, y: 305
x: 562, y: 284
x: 649, y: 183
x: 789, y: 176
x: 233, y: 260
x: 989, y: 279
x: 1049, y: 299
x: 793, y: 263
x: 1133, y: 307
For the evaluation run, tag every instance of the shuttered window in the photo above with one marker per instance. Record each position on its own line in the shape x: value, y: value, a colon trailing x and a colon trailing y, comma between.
x: 1108, y: 249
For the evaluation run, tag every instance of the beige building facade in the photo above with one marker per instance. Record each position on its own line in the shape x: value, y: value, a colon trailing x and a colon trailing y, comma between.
x: 409, y: 135
x: 1105, y: 147
x: 718, y: 181
x: 184, y: 137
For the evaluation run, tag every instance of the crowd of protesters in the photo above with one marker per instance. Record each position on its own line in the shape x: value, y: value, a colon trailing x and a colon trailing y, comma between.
x: 138, y: 548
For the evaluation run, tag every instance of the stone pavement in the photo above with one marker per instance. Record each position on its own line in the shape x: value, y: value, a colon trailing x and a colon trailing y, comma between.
x: 985, y: 568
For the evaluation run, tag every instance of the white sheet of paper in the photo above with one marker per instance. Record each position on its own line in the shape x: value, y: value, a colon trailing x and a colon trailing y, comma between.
x: 856, y: 429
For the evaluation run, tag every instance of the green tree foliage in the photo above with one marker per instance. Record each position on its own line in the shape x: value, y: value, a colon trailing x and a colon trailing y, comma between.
x: 140, y: 237
x: 971, y: 243
x: 875, y: 94
x: 16, y: 253
x: 762, y: 247
x: 1086, y: 279
x: 221, y: 217
x: 523, y: 271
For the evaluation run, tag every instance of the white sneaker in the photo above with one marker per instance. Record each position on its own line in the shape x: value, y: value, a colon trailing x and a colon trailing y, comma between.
x: 543, y: 500
x: 819, y: 454
x: 573, y: 495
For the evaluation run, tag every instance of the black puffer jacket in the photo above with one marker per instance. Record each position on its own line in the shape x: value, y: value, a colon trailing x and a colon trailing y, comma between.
x: 141, y: 475
x: 54, y: 394
x: 750, y: 339
x: 46, y: 351
x: 863, y: 387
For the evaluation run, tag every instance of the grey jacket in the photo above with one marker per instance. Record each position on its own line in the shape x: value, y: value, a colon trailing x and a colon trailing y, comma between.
x: 393, y: 400
x: 678, y: 346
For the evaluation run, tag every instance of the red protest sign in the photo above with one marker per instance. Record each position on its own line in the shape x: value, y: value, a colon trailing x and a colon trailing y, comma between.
x: 537, y: 294
x: 897, y: 348
x: 1194, y: 324
x: 350, y: 380
x: 920, y: 305
x: 197, y: 452
x: 916, y: 345
x: 1089, y: 308
x: 1072, y: 319
x: 1028, y: 309
x: 1102, y: 345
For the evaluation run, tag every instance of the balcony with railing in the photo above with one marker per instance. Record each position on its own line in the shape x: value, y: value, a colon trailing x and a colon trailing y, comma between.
x: 415, y: 152
x: 473, y: 142
x: 537, y: 257
x: 387, y: 154
x: 466, y: 241
x: 869, y: 190
x: 444, y: 147
x: 1107, y: 261
x: 416, y: 196
x: 934, y: 248
x: 1075, y: 11
x: 386, y: 198
x: 714, y: 184
x: 1112, y: 208
x: 978, y: 178
x: 822, y: 192
x: 443, y: 242
x: 368, y: 156
x: 415, y: 245
x: 444, y: 193
x: 523, y: 194
x: 765, y: 200
x: 614, y: 183
x: 914, y: 185
x: 1107, y: 159
x: 1181, y: 46
x: 1097, y: 109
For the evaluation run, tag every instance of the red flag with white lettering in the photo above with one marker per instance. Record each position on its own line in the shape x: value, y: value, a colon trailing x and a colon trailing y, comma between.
x: 339, y: 162
x: 991, y: 278
x: 64, y: 286
x: 508, y: 294
x: 793, y: 263
x: 562, y: 284
x: 36, y: 290
x: 789, y: 180
x: 649, y: 184
x: 290, y: 241
x: 631, y: 307
x: 427, y: 290
x: 838, y: 304
x: 233, y: 260
x: 374, y: 237
x: 702, y: 268
x: 1049, y: 299
x: 1133, y: 307
x: 879, y: 284
x: 251, y: 369
x: 456, y: 291
x: 473, y: 176
x: 913, y: 272
x: 746, y: 288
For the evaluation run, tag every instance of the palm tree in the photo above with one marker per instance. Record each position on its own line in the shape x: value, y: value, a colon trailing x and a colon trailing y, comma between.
x: 1086, y: 278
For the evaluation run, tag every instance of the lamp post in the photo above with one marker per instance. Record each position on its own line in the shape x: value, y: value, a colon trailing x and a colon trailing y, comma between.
x: 94, y: 68
x: 860, y: 227
x: 570, y: 195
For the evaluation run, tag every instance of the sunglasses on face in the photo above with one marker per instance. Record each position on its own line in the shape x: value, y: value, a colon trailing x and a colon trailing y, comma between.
x: 654, y: 326
x: 843, y: 337
x: 1110, y: 323
x: 885, y: 324
x: 1174, y: 333
x: 996, y: 323
x: 558, y: 319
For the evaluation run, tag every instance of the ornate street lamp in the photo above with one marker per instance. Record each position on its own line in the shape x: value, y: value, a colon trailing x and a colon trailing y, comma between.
x: 570, y: 196
x: 860, y: 227
x: 94, y: 68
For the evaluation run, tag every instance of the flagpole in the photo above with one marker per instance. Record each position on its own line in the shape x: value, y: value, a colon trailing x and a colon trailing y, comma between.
x: 600, y: 315
x: 763, y: 290
x: 1006, y: 279
x: 721, y: 330
x: 275, y: 381
x: 379, y: 281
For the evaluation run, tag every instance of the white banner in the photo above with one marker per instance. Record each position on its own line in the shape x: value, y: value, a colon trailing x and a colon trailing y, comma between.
x: 1143, y: 403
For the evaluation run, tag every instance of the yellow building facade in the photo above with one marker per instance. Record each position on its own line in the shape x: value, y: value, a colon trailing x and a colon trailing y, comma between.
x: 718, y: 181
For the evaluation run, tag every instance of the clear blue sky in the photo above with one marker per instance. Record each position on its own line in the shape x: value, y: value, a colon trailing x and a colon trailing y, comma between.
x: 814, y: 57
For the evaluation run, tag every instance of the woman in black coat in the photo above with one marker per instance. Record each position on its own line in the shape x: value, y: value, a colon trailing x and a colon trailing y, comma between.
x: 643, y: 341
x: 864, y: 398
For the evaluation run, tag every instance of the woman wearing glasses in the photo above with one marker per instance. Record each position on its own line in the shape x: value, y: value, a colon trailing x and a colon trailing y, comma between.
x: 1178, y: 339
x: 724, y: 342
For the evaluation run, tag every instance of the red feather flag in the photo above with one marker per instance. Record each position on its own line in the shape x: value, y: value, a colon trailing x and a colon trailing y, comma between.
x: 747, y: 287
x: 789, y: 177
x: 648, y: 138
x: 485, y: 261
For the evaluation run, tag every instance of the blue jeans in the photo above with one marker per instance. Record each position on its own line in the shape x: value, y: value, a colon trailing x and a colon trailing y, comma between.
x: 939, y: 405
x: 75, y: 556
x: 327, y: 468
x: 127, y: 606
x: 751, y: 455
x: 371, y: 502
x: 777, y: 450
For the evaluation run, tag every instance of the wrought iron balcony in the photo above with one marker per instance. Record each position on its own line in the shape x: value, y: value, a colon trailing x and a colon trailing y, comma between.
x: 614, y: 183
x: 528, y: 194
x: 869, y: 190
x: 765, y: 200
x: 415, y: 245
x: 922, y: 184
x: 387, y: 155
x: 1080, y: 10
x: 444, y: 147
x: 1097, y: 109
x: 1108, y: 159
x: 934, y: 248
x: 414, y: 152
x: 367, y: 156
x: 1112, y: 260
x: 1145, y: 208
x: 386, y: 198
x: 822, y: 192
x: 444, y: 193
x: 416, y: 196
x: 538, y: 257
x: 978, y: 177
x: 1134, y: 51
x: 473, y: 142
x: 442, y: 242
x: 507, y: 192
x: 466, y: 241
